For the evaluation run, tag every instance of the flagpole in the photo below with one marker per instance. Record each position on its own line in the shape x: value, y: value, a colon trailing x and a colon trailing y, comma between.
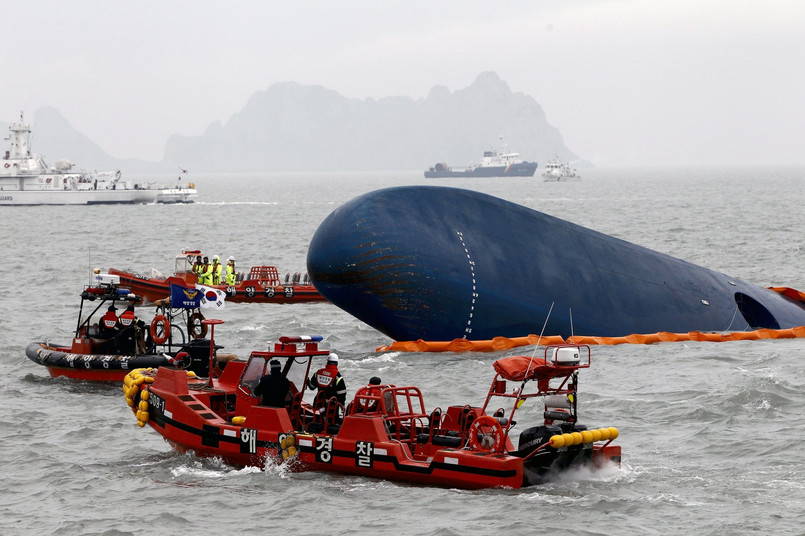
x: 212, y: 322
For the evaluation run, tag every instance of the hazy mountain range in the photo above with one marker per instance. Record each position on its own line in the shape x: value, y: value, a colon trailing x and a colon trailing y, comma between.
x: 293, y: 127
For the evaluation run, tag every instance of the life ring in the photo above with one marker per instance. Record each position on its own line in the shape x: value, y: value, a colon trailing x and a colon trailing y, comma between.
x: 492, y: 437
x: 195, y: 327
x: 160, y: 329
x: 7, y: 164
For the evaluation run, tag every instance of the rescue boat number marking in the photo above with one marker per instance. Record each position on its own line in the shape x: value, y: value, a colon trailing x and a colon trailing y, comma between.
x: 364, y: 451
x: 468, y: 327
x: 324, y: 449
x: 157, y: 402
x: 249, y: 436
x: 251, y: 292
x: 79, y: 360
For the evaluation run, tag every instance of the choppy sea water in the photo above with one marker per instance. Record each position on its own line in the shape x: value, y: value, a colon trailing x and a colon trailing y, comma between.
x: 712, y: 434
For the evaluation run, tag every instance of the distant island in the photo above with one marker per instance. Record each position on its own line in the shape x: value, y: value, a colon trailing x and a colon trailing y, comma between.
x: 294, y: 127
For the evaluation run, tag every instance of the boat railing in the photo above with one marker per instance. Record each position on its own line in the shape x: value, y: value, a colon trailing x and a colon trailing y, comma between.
x: 402, y: 408
x: 265, y: 275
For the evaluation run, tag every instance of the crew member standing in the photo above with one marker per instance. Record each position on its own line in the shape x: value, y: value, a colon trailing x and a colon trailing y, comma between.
x: 216, y: 270
x: 197, y: 266
x: 205, y: 274
x: 329, y: 380
x: 231, y: 275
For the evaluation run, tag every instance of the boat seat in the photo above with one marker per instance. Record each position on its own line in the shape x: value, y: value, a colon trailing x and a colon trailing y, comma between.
x: 434, y: 426
x: 332, y: 418
x: 449, y: 439
x: 319, y: 409
x: 326, y: 417
x: 557, y: 414
x: 569, y: 427
x: 465, y: 419
x: 446, y: 441
x: 316, y: 427
x: 557, y: 408
x: 295, y: 411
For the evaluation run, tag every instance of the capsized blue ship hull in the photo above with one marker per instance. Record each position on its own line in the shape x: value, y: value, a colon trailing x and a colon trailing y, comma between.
x: 436, y: 263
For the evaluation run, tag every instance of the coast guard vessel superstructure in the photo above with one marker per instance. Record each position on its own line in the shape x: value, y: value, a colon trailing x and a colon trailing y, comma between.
x: 26, y: 179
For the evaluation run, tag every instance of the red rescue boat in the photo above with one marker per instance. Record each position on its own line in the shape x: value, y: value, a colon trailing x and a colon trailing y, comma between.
x: 260, y: 284
x: 108, y: 353
x: 385, y: 431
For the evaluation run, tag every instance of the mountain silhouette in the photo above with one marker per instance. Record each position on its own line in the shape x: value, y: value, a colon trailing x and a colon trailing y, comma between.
x: 295, y: 127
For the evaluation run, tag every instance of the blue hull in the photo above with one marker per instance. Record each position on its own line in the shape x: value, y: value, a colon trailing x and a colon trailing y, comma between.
x: 440, y: 263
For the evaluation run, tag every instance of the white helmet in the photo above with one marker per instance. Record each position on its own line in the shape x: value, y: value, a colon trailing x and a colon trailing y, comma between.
x: 231, y: 258
x: 215, y: 257
x: 333, y: 358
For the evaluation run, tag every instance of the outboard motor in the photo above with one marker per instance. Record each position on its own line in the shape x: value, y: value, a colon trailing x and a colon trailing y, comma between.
x: 535, y: 436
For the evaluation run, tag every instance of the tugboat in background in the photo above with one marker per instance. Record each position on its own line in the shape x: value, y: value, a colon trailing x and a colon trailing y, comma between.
x: 556, y: 171
x: 493, y: 164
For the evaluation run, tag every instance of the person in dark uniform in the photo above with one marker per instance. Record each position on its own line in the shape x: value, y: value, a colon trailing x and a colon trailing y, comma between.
x: 132, y: 332
x: 329, y: 380
x: 108, y: 325
x: 273, y: 387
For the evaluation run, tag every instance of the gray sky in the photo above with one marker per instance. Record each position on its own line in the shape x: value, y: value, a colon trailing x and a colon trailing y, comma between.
x: 626, y: 82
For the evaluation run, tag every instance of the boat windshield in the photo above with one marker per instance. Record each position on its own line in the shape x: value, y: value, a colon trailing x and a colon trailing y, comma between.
x: 294, y: 368
x: 184, y: 262
x: 254, y: 371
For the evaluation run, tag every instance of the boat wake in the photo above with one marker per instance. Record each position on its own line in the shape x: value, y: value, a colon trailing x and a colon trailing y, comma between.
x: 210, y: 468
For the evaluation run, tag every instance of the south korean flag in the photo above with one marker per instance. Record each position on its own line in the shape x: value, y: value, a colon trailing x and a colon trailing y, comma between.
x: 211, y: 298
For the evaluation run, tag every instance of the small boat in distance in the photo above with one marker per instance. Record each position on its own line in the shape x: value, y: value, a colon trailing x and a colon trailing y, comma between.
x: 26, y: 179
x: 178, y: 193
x: 493, y: 164
x: 556, y: 171
x: 385, y: 431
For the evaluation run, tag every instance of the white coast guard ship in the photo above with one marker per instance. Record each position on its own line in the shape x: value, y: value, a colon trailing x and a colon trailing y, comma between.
x: 25, y: 179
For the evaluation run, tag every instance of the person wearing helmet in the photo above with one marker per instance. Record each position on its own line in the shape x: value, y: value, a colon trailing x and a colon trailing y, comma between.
x: 205, y: 272
x: 329, y: 380
x: 273, y: 387
x: 231, y: 276
x: 215, y: 270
